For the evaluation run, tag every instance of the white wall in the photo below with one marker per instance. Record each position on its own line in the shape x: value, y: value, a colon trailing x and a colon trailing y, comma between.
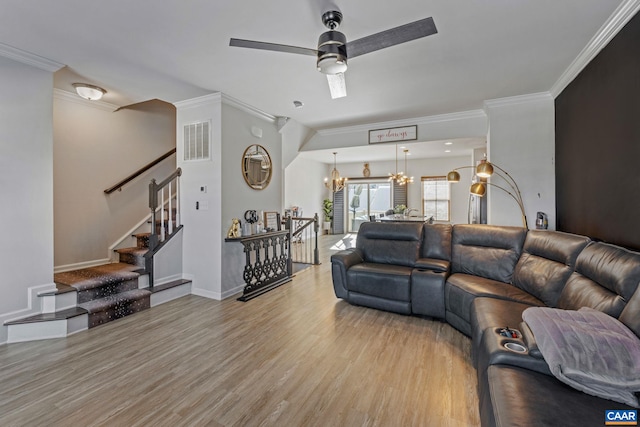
x: 522, y: 141
x: 202, y: 227
x: 237, y: 196
x: 94, y: 148
x: 26, y: 162
x: 304, y: 186
x: 446, y: 126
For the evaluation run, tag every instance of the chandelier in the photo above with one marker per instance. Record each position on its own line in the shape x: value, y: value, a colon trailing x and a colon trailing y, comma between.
x: 399, y: 177
x: 337, y: 183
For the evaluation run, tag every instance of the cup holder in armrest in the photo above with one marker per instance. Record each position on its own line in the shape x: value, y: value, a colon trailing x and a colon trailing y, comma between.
x: 514, y: 346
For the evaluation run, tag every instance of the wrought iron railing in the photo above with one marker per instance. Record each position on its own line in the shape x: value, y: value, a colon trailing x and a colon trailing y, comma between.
x: 267, y: 262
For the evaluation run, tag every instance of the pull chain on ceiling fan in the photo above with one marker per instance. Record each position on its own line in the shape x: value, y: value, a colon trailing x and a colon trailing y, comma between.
x: 333, y: 49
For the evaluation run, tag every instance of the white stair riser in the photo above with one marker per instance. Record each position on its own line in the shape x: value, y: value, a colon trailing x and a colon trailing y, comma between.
x: 53, y: 303
x: 170, y: 294
x: 143, y: 281
x: 46, y: 330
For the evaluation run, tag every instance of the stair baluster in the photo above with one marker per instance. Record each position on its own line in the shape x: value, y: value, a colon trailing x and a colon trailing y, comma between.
x: 168, y: 224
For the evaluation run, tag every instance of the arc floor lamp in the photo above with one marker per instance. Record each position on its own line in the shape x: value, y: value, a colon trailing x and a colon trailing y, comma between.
x: 484, y: 170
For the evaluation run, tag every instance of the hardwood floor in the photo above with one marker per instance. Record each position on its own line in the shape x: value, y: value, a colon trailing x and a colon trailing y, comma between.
x: 296, y: 356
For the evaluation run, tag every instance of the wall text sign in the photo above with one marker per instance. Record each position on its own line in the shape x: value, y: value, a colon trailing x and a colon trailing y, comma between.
x: 406, y: 133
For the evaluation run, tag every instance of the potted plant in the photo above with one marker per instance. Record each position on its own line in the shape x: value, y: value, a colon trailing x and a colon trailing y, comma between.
x: 327, y: 209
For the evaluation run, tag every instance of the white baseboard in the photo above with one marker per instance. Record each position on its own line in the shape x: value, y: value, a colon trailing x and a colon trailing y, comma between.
x: 81, y: 265
x: 207, y: 294
x: 231, y: 292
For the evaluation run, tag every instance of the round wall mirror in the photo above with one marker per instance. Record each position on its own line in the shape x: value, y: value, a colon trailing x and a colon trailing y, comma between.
x: 256, y: 167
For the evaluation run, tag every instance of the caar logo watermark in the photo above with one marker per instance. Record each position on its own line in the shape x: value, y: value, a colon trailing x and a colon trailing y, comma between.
x: 621, y: 417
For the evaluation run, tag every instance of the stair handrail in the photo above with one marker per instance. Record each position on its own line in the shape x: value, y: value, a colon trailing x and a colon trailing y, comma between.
x: 139, y: 172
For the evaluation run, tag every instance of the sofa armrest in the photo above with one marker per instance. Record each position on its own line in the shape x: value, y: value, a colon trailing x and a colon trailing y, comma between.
x: 340, y: 263
x: 433, y: 264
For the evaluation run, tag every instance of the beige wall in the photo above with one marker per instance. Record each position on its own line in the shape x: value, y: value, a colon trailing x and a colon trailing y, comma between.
x: 94, y: 148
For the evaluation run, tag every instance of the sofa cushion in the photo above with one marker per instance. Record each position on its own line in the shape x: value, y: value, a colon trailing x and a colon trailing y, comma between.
x: 513, y: 396
x: 548, y: 259
x: 461, y: 289
x: 436, y: 241
x: 605, y: 278
x: 380, y: 280
x: 630, y: 316
x: 390, y: 243
x: 486, y: 250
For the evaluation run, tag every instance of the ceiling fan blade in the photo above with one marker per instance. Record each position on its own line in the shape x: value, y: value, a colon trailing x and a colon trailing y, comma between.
x: 272, y: 46
x: 337, y: 85
x: 404, y: 33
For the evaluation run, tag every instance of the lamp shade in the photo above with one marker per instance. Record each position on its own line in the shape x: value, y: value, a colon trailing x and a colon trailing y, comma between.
x: 484, y: 170
x: 478, y: 189
x: 453, y: 176
x: 90, y: 92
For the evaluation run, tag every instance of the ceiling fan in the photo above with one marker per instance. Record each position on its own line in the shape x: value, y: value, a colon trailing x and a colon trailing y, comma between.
x: 334, y: 50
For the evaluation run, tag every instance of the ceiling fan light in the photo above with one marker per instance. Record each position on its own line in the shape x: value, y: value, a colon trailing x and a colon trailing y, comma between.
x: 90, y: 92
x: 332, y: 64
x: 337, y: 85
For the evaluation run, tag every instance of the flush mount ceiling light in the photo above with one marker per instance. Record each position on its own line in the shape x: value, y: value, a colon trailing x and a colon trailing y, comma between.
x: 90, y: 92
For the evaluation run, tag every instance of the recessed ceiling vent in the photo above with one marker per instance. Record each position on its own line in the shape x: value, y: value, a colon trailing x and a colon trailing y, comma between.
x: 197, y: 141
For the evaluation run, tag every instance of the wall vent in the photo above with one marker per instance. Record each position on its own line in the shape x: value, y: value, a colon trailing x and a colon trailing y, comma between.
x: 197, y: 141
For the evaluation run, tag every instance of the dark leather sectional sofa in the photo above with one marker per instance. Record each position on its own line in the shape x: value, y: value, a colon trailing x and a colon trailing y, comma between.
x: 480, y: 279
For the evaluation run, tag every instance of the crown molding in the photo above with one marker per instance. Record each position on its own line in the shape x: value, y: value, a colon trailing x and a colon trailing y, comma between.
x: 199, y: 101
x: 76, y: 99
x: 29, y: 58
x: 427, y: 120
x: 519, y: 99
x: 607, y: 32
x: 243, y: 106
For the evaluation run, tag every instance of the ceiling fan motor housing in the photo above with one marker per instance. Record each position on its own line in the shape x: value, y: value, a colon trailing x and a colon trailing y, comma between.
x: 332, y: 53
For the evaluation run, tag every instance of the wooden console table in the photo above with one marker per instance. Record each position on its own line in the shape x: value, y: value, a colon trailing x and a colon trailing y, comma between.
x: 267, y: 263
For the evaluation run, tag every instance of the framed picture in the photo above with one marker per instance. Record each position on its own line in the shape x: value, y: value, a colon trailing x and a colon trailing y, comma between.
x: 272, y: 221
x: 406, y: 133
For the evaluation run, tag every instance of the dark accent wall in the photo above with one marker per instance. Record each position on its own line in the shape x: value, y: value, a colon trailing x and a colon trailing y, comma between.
x: 598, y: 145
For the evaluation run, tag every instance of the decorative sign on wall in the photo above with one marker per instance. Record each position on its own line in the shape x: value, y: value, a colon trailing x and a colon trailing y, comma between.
x: 406, y: 133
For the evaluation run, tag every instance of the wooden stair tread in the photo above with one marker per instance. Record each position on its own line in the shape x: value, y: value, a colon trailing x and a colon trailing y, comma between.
x: 173, y: 284
x: 46, y: 317
x: 60, y: 289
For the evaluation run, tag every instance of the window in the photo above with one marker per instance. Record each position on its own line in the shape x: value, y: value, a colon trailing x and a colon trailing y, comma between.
x: 366, y: 198
x: 436, y: 200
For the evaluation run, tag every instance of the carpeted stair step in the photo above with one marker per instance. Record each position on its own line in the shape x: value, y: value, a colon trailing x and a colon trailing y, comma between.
x: 142, y: 240
x: 133, y: 256
x: 115, y: 306
x: 99, y: 282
